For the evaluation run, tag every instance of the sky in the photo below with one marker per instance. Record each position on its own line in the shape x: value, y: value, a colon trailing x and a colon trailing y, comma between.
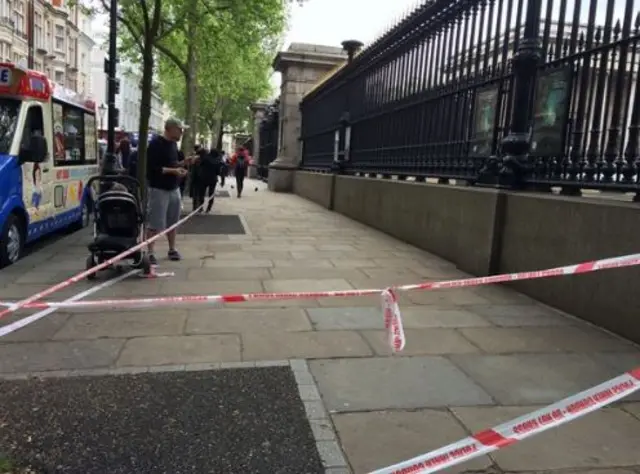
x: 330, y: 22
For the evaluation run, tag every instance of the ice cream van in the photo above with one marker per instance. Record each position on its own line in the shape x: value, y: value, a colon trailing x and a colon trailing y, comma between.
x: 48, y: 152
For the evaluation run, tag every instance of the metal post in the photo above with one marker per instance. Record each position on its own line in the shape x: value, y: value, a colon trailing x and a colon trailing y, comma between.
x: 351, y: 47
x: 516, y: 145
x: 111, y: 81
x: 30, y: 32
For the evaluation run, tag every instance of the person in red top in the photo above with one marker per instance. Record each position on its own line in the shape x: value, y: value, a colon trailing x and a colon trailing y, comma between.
x: 239, y: 163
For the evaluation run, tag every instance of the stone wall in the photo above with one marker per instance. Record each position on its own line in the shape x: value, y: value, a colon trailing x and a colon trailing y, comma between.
x: 485, y: 231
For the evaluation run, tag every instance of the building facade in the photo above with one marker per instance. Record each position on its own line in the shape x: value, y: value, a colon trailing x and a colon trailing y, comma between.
x: 62, y: 39
x: 128, y: 100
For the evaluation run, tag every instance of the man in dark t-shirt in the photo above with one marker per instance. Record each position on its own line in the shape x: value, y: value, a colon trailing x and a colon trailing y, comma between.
x: 164, y: 172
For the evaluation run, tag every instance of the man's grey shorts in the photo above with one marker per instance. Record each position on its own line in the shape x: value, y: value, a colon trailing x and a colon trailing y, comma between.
x: 163, y: 208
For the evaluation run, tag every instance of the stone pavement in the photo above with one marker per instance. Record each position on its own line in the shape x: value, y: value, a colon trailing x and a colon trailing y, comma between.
x: 474, y: 357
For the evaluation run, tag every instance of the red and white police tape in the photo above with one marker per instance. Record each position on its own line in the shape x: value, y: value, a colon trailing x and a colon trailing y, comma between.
x: 393, y: 321
x: 585, y: 267
x: 523, y: 427
x: 12, y: 307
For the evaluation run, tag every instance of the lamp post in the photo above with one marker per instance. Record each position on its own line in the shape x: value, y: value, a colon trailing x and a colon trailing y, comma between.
x: 101, y: 110
x: 111, y: 78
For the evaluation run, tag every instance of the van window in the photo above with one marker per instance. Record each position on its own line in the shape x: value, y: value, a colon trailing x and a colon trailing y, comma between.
x: 9, y: 109
x: 34, y: 123
x: 90, y: 139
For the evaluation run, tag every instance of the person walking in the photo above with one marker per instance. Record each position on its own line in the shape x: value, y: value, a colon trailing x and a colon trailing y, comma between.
x: 124, y: 153
x: 240, y: 164
x: 210, y: 168
x: 196, y: 183
x: 164, y: 171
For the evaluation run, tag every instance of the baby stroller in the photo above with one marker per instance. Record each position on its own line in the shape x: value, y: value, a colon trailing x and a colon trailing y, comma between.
x: 118, y: 222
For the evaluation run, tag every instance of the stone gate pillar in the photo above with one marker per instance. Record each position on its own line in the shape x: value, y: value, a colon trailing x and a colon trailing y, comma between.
x: 302, y: 66
x: 258, y: 110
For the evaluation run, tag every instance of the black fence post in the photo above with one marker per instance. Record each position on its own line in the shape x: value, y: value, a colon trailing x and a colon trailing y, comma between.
x: 351, y: 47
x: 517, y: 144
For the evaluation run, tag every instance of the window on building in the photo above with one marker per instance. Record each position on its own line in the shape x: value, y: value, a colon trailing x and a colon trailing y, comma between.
x: 6, y: 51
x: 38, y: 66
x: 59, y: 77
x: 60, y: 38
x: 49, y: 34
x: 38, y: 33
x: 16, y: 58
x: 18, y: 17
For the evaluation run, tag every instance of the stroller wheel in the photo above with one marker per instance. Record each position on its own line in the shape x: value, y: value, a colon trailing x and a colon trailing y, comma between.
x: 145, y: 264
x: 91, y: 262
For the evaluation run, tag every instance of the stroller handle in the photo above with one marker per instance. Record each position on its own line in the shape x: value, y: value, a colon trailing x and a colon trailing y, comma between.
x: 115, y: 178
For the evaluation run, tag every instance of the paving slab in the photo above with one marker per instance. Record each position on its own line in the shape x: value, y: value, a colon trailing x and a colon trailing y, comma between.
x: 521, y: 315
x: 423, y: 342
x: 459, y: 297
x: 436, y: 317
x: 218, y: 274
x: 309, y: 345
x: 345, y: 318
x: 394, y: 436
x: 633, y: 408
x: 523, y: 379
x: 169, y: 350
x: 126, y: 324
x: 608, y: 437
x: 394, y: 383
x: 244, y: 320
x: 544, y: 339
x: 308, y: 267
x: 44, y: 330
x: 619, y: 361
x: 211, y: 421
x: 309, y: 285
x: 67, y: 355
x: 172, y: 287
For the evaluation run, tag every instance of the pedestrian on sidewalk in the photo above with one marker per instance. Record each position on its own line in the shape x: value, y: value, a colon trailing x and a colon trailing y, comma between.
x: 196, y: 182
x: 210, y: 167
x: 240, y: 164
x: 164, y: 171
x: 124, y: 153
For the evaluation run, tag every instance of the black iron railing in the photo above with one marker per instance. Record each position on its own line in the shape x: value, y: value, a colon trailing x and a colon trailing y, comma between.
x: 268, y: 140
x: 522, y: 93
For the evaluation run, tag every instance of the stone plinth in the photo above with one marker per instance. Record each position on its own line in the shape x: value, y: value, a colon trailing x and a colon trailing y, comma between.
x: 258, y: 109
x: 302, y: 66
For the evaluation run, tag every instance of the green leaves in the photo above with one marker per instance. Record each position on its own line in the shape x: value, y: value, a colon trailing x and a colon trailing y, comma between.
x: 235, y: 43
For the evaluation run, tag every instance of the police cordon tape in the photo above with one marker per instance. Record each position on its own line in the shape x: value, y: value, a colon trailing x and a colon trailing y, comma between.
x: 516, y: 430
x: 585, y: 267
x: 12, y: 307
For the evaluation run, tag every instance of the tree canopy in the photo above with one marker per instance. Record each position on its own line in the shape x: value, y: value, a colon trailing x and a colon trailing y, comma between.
x: 212, y: 57
x: 212, y: 71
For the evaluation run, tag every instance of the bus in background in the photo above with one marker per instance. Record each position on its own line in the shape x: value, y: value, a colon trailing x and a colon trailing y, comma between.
x: 48, y: 151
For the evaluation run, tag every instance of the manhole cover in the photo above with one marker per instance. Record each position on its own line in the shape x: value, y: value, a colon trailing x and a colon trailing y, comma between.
x: 208, y: 224
x: 234, y: 420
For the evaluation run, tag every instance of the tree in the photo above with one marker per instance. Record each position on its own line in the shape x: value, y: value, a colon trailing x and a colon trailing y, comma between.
x: 213, y: 35
x: 233, y: 63
x: 145, y: 23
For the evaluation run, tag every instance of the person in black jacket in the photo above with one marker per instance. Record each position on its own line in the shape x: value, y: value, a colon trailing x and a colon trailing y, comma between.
x: 209, y: 168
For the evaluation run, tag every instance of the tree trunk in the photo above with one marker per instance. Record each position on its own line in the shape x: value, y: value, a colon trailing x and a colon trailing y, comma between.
x: 145, y: 110
x: 213, y: 134
x: 220, y: 134
x: 191, y: 109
